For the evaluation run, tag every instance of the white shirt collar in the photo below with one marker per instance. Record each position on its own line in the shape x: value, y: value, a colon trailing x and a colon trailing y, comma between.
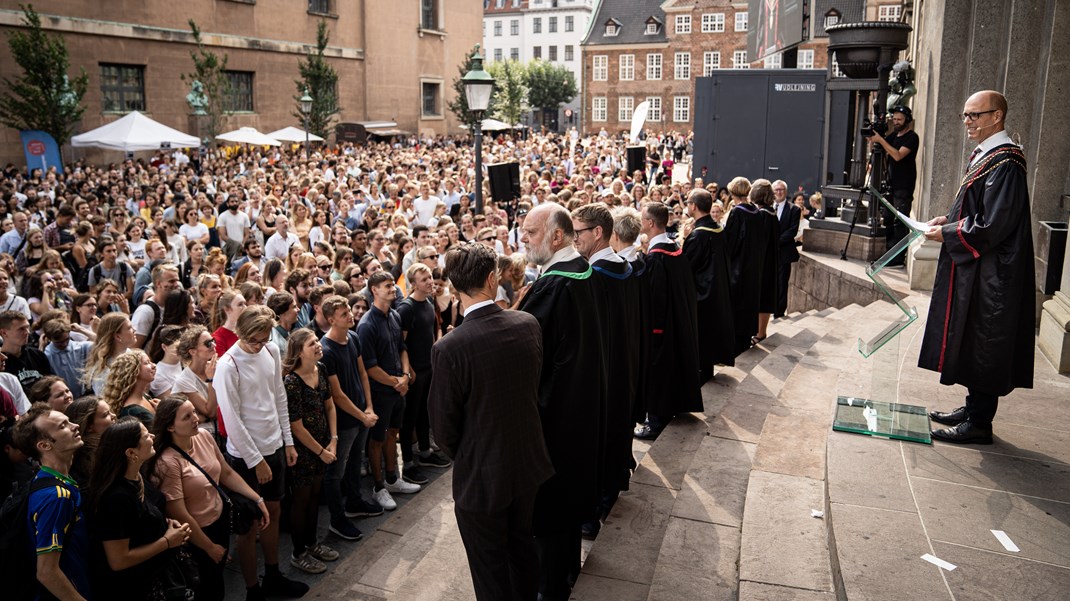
x: 628, y: 253
x: 662, y: 238
x: 478, y: 305
x: 606, y: 254
x: 997, y: 139
x: 567, y: 253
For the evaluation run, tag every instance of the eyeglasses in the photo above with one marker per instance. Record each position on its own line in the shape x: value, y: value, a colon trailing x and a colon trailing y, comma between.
x: 210, y: 343
x: 324, y: 267
x: 971, y: 117
x: 261, y: 342
x: 434, y: 256
x: 486, y: 239
x: 580, y: 230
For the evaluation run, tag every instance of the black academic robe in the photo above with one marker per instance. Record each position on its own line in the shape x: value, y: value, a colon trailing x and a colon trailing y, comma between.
x: 705, y: 251
x: 638, y: 411
x: 751, y: 239
x: 672, y: 378
x: 980, y: 331
x: 572, y: 392
x: 618, y: 294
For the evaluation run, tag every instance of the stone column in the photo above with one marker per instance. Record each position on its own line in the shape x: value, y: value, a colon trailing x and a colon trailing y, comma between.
x: 1054, y: 340
x: 921, y: 264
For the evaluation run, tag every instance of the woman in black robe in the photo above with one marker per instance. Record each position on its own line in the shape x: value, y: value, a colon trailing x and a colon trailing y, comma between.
x: 751, y: 236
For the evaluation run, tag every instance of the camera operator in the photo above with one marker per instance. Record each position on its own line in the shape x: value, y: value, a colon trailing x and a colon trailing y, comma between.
x: 901, y: 146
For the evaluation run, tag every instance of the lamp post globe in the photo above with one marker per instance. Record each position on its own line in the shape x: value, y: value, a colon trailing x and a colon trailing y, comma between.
x: 478, y: 87
x: 306, y: 110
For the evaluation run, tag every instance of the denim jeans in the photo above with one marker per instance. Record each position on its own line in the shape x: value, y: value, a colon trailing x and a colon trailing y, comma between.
x: 342, y: 479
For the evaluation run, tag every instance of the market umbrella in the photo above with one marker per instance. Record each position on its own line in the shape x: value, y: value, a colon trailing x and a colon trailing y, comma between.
x: 248, y: 135
x: 132, y: 132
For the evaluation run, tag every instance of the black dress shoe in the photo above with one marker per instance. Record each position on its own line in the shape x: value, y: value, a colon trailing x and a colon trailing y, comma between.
x: 965, y: 433
x: 950, y: 418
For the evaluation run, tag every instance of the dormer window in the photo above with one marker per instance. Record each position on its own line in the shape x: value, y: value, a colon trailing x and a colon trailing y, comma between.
x: 653, y: 26
x: 832, y: 17
x: 612, y: 28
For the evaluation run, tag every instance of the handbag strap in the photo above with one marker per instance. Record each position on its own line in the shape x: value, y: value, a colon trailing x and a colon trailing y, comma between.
x: 219, y: 489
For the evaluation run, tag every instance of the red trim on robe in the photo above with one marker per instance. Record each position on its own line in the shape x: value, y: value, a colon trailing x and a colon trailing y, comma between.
x: 675, y: 253
x: 973, y: 251
x: 659, y: 331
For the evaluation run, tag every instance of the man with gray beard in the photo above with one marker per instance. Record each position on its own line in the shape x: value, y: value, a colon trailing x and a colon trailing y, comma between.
x: 572, y: 394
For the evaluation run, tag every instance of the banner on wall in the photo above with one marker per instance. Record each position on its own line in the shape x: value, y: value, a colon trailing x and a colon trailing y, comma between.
x: 41, y: 151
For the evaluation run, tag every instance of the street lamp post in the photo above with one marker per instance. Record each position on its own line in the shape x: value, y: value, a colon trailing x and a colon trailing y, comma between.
x: 478, y: 86
x: 306, y: 110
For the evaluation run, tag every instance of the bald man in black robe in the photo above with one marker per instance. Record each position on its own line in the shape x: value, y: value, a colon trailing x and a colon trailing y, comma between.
x: 572, y: 394
x: 980, y: 331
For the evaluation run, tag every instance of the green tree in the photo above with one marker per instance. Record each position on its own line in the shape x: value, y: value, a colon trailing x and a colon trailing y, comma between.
x: 210, y: 69
x: 459, y: 105
x: 321, y: 81
x: 43, y: 97
x: 549, y: 85
x: 510, y: 90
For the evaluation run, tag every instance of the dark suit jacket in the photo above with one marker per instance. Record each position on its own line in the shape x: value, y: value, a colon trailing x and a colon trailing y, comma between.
x: 789, y: 226
x: 483, y: 407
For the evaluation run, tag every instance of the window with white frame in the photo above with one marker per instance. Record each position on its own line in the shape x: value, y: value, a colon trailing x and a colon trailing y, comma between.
x: 536, y: 25
x: 773, y: 62
x: 569, y: 56
x: 832, y: 17
x: 514, y: 54
x: 627, y: 67
x: 551, y: 24
x: 653, y: 66
x: 889, y: 12
x: 514, y: 27
x: 598, y: 108
x: 651, y: 28
x: 683, y: 24
x: 625, y: 106
x: 612, y: 30
x: 682, y: 65
x: 497, y: 54
x: 600, y: 67
x: 806, y: 59
x: 653, y: 109
x: 739, y: 60
x: 710, y: 60
x: 681, y: 109
x: 741, y: 21
x: 497, y: 29
x: 551, y: 53
x: 713, y: 23
x: 536, y: 52
x: 570, y: 23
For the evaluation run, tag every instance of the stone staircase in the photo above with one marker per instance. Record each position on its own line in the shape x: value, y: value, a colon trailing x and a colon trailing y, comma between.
x: 721, y: 505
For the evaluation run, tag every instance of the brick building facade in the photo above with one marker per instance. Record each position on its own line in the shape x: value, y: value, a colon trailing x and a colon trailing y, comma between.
x: 653, y: 50
x: 395, y: 61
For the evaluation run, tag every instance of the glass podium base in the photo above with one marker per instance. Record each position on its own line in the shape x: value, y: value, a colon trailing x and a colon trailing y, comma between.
x: 886, y: 420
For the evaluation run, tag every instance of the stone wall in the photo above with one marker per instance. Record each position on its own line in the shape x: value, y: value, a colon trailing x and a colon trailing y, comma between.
x: 818, y: 285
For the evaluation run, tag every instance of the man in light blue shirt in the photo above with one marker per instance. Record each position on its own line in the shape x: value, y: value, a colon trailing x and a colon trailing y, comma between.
x: 13, y: 241
x: 67, y: 357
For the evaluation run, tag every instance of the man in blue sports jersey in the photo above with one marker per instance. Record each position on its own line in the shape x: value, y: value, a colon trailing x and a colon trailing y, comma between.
x: 55, y: 520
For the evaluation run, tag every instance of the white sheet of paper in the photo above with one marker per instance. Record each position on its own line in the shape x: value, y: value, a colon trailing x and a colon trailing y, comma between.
x: 921, y: 226
x: 940, y: 563
x: 1006, y: 541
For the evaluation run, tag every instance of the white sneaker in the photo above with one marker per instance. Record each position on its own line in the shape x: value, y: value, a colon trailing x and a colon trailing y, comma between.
x: 383, y: 498
x: 403, y: 487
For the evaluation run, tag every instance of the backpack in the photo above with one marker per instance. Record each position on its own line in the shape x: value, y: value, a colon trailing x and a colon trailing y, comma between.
x: 124, y: 271
x: 18, y: 564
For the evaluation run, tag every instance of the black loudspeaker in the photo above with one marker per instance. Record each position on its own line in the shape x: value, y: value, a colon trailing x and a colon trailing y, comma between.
x: 636, y: 159
x: 504, y: 181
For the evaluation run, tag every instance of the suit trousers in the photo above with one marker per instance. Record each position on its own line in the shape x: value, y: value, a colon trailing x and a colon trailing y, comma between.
x: 784, y: 276
x: 501, y: 551
x: 981, y: 407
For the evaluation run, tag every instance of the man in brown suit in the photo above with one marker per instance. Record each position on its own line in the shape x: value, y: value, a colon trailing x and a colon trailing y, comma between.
x: 483, y: 411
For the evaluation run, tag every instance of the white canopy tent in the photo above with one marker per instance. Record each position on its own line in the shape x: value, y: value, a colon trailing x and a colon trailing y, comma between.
x: 132, y: 132
x: 495, y: 125
x: 248, y: 135
x: 293, y: 134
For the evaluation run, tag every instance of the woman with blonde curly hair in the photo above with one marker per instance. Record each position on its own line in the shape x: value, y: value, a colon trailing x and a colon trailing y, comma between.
x: 115, y: 336
x: 126, y: 389
x: 216, y: 264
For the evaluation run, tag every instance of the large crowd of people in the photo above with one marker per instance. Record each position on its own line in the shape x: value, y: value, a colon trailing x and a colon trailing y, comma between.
x: 188, y: 340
